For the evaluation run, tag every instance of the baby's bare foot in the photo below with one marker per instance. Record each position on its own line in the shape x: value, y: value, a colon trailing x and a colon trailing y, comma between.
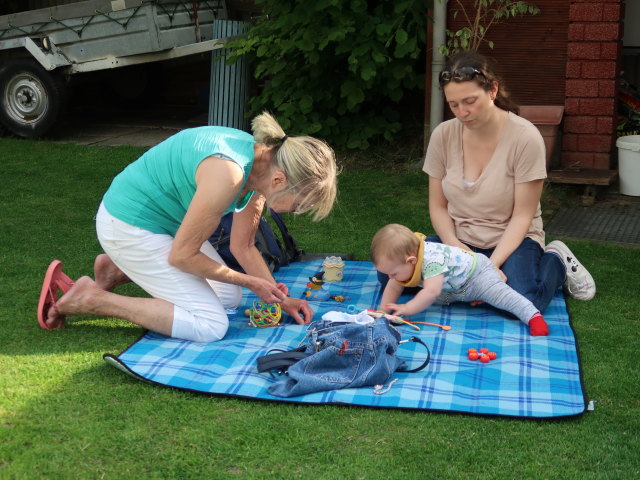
x: 108, y: 276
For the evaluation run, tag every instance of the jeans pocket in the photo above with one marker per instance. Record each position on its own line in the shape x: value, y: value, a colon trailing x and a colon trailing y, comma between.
x: 336, y: 366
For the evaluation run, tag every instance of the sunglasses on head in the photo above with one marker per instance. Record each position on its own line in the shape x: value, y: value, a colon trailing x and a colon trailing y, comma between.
x: 462, y: 74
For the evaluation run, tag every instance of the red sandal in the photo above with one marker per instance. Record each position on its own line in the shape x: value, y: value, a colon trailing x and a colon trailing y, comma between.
x: 54, y: 280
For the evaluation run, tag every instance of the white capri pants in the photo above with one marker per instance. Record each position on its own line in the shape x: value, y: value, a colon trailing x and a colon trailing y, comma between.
x: 198, y: 305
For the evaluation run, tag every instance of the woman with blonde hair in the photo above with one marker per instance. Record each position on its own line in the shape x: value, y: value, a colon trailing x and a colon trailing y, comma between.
x: 155, y: 220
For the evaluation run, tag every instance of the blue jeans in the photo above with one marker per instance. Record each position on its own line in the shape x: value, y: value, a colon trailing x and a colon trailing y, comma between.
x: 530, y: 271
x: 342, y: 355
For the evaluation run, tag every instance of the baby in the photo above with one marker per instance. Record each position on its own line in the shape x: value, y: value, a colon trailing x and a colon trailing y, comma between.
x: 463, y: 275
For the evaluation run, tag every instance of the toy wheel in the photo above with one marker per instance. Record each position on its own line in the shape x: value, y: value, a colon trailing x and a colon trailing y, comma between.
x: 31, y: 99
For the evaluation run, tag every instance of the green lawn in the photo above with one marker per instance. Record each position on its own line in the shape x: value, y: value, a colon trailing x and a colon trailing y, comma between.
x: 65, y: 414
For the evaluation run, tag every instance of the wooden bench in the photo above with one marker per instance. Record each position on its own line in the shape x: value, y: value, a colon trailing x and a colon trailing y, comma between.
x: 593, y: 179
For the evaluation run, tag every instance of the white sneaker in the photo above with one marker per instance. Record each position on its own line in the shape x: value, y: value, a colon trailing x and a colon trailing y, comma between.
x: 579, y: 283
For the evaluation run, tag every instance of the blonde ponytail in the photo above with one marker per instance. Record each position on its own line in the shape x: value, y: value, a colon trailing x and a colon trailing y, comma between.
x: 267, y: 130
x: 308, y: 163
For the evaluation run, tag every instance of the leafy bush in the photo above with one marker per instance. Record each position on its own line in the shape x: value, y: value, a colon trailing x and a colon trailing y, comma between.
x: 337, y: 69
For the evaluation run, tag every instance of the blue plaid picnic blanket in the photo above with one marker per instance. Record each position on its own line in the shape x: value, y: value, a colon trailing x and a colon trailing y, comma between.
x: 534, y: 377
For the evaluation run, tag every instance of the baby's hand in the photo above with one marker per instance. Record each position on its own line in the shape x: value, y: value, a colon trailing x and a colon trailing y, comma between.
x: 395, y: 309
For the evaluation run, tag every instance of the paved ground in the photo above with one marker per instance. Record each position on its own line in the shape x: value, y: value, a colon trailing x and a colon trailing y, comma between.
x: 613, y: 218
x: 142, y: 128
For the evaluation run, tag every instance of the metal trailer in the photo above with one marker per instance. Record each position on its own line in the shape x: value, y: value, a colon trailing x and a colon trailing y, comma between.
x: 40, y: 50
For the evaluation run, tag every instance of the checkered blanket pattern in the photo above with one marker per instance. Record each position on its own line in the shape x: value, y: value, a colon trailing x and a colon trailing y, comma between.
x: 535, y: 377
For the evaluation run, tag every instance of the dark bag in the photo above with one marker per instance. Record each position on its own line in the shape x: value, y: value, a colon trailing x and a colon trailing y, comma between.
x: 275, y: 254
x: 339, y: 355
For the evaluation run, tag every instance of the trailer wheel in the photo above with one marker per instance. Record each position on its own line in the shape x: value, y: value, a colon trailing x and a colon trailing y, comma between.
x: 31, y: 99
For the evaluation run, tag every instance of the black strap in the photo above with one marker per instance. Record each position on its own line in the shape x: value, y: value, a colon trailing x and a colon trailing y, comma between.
x: 290, y: 245
x: 280, y: 361
x: 425, y: 363
x: 223, y: 237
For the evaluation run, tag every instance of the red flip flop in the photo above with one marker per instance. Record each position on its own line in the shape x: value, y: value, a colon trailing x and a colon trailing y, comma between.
x: 54, y: 280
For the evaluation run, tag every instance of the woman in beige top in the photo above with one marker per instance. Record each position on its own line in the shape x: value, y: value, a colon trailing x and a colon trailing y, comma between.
x: 486, y: 171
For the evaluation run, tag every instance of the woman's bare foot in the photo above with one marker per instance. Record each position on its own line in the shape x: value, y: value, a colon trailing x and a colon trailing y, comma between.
x: 77, y: 300
x: 108, y: 276
x: 87, y: 298
x: 54, y: 318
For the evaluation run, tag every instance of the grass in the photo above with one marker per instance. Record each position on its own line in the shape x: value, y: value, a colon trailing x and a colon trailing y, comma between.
x: 65, y: 414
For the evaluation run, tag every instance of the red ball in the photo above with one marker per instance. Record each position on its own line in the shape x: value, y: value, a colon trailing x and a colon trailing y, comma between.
x: 484, y: 350
x: 473, y: 355
x: 493, y: 355
x: 472, y: 350
x: 484, y: 358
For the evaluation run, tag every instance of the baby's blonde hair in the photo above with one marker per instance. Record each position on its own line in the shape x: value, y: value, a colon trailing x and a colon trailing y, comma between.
x: 394, y: 242
x: 308, y: 163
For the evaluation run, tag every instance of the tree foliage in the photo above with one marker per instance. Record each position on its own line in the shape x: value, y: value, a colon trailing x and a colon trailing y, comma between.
x: 484, y: 15
x: 337, y: 69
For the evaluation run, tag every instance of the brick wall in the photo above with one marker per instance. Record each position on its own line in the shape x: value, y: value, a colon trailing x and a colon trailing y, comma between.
x: 593, y: 63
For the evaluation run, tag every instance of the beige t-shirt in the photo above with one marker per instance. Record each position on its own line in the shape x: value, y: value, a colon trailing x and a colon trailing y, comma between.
x: 482, y: 210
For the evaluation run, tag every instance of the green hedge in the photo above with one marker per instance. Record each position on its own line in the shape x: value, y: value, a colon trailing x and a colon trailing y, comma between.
x: 340, y: 70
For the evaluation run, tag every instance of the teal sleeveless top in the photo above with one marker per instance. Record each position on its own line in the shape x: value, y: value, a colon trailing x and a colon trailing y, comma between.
x: 154, y: 192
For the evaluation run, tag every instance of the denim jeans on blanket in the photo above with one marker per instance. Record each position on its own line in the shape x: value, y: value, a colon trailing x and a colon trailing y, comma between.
x: 343, y: 355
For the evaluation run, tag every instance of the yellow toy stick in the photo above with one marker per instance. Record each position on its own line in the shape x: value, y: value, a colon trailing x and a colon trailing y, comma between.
x: 444, y: 327
x: 402, y: 320
x: 398, y: 319
x: 391, y: 318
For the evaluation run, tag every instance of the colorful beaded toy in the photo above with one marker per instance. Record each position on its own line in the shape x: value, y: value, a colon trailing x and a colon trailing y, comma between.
x: 264, y: 315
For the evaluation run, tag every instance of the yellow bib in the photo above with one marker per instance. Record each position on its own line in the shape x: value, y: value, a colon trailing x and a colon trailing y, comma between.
x: 416, y: 278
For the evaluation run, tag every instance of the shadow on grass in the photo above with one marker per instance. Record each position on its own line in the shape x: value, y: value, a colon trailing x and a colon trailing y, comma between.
x: 84, y: 419
x: 85, y: 334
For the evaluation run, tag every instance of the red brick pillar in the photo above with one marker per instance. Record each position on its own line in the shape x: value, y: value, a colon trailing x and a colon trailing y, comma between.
x: 593, y: 64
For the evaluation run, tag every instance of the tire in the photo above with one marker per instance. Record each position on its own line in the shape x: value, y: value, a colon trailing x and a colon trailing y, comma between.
x: 31, y: 99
